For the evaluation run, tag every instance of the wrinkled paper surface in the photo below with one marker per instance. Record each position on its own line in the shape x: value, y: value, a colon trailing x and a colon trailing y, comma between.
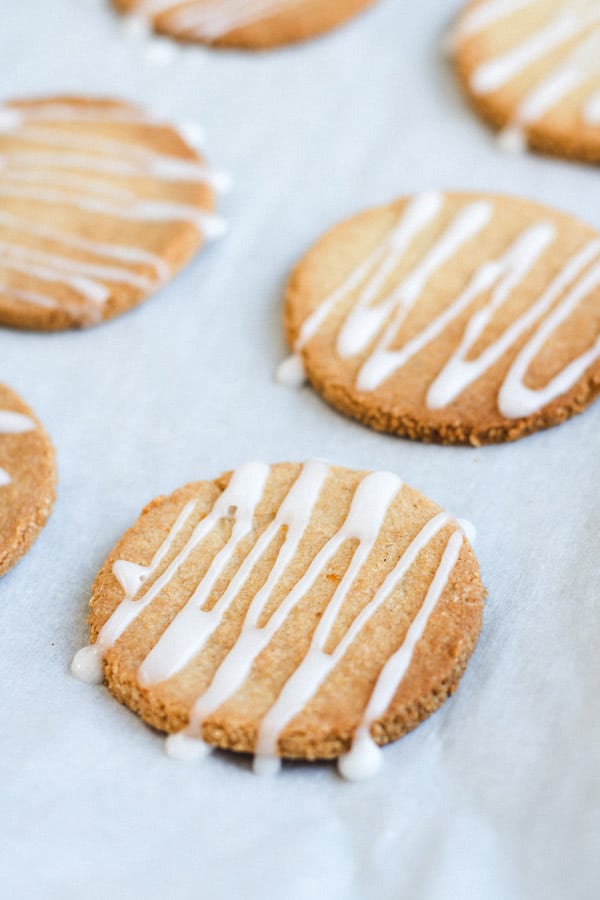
x: 496, y: 796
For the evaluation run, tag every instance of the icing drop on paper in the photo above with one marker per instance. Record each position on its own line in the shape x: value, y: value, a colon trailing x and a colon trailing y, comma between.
x: 87, y: 665
x: 185, y: 748
x: 48, y: 157
x: 193, y: 625
x: 371, y: 322
x: 291, y: 372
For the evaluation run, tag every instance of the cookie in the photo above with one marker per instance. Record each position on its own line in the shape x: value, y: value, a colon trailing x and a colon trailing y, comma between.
x: 100, y: 205
x: 453, y: 318
x: 531, y: 68
x: 297, y: 611
x: 27, y: 478
x: 249, y: 24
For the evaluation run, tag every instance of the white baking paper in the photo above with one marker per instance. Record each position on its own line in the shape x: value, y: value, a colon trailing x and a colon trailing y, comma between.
x: 496, y: 797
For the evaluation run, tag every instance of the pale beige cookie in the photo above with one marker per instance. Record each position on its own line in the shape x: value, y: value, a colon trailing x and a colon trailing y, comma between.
x: 100, y: 205
x: 250, y: 24
x: 27, y: 478
x: 531, y: 68
x: 287, y: 611
x: 454, y: 318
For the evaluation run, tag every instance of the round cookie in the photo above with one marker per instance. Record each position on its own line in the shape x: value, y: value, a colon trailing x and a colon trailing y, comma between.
x: 27, y: 478
x: 299, y: 611
x: 100, y: 205
x: 531, y: 68
x: 453, y: 318
x: 248, y: 24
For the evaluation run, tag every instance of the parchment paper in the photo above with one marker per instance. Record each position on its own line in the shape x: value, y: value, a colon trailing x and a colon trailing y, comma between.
x: 496, y: 796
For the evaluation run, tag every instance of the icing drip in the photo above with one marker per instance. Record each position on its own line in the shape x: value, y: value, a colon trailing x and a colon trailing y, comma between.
x: 71, y: 168
x: 185, y: 748
x: 190, y: 629
x: 372, y: 323
x: 211, y: 19
x: 290, y: 372
x: 13, y: 423
x: 575, y: 21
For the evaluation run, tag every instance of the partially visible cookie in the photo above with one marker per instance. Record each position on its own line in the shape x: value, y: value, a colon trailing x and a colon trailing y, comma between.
x: 100, y: 205
x: 531, y: 68
x: 299, y: 611
x: 249, y: 24
x: 454, y: 318
x: 27, y: 478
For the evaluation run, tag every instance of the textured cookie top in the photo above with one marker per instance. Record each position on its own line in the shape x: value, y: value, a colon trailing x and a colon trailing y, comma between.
x: 27, y: 478
x: 252, y: 24
x: 532, y: 68
x: 100, y: 204
x: 287, y: 610
x: 453, y: 318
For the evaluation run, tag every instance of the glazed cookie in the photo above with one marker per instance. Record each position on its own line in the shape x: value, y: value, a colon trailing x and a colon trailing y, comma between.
x: 531, y: 68
x: 100, y: 203
x: 27, y: 478
x: 299, y: 611
x: 453, y: 318
x: 251, y: 24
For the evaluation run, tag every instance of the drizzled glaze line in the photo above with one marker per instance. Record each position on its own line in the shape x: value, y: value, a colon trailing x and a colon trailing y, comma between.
x: 32, y: 167
x: 502, y: 277
x: 115, y: 252
x: 192, y: 627
x: 592, y: 110
x: 367, y: 513
x: 212, y: 19
x: 189, y: 631
x: 13, y: 423
x: 364, y: 757
x: 574, y: 20
x: 317, y: 664
x: 486, y: 14
x: 87, y: 664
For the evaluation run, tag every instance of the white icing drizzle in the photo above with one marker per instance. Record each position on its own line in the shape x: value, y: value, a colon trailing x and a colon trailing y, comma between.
x: 68, y: 167
x: 364, y: 757
x: 515, y: 398
x: 579, y: 19
x: 191, y: 628
x: 193, y: 625
x: 370, y: 315
x: 486, y: 14
x: 87, y: 664
x: 383, y: 361
x: 591, y: 111
x: 503, y: 276
x: 27, y: 296
x: 13, y: 423
x: 114, y: 252
x: 211, y: 19
x: 317, y: 664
